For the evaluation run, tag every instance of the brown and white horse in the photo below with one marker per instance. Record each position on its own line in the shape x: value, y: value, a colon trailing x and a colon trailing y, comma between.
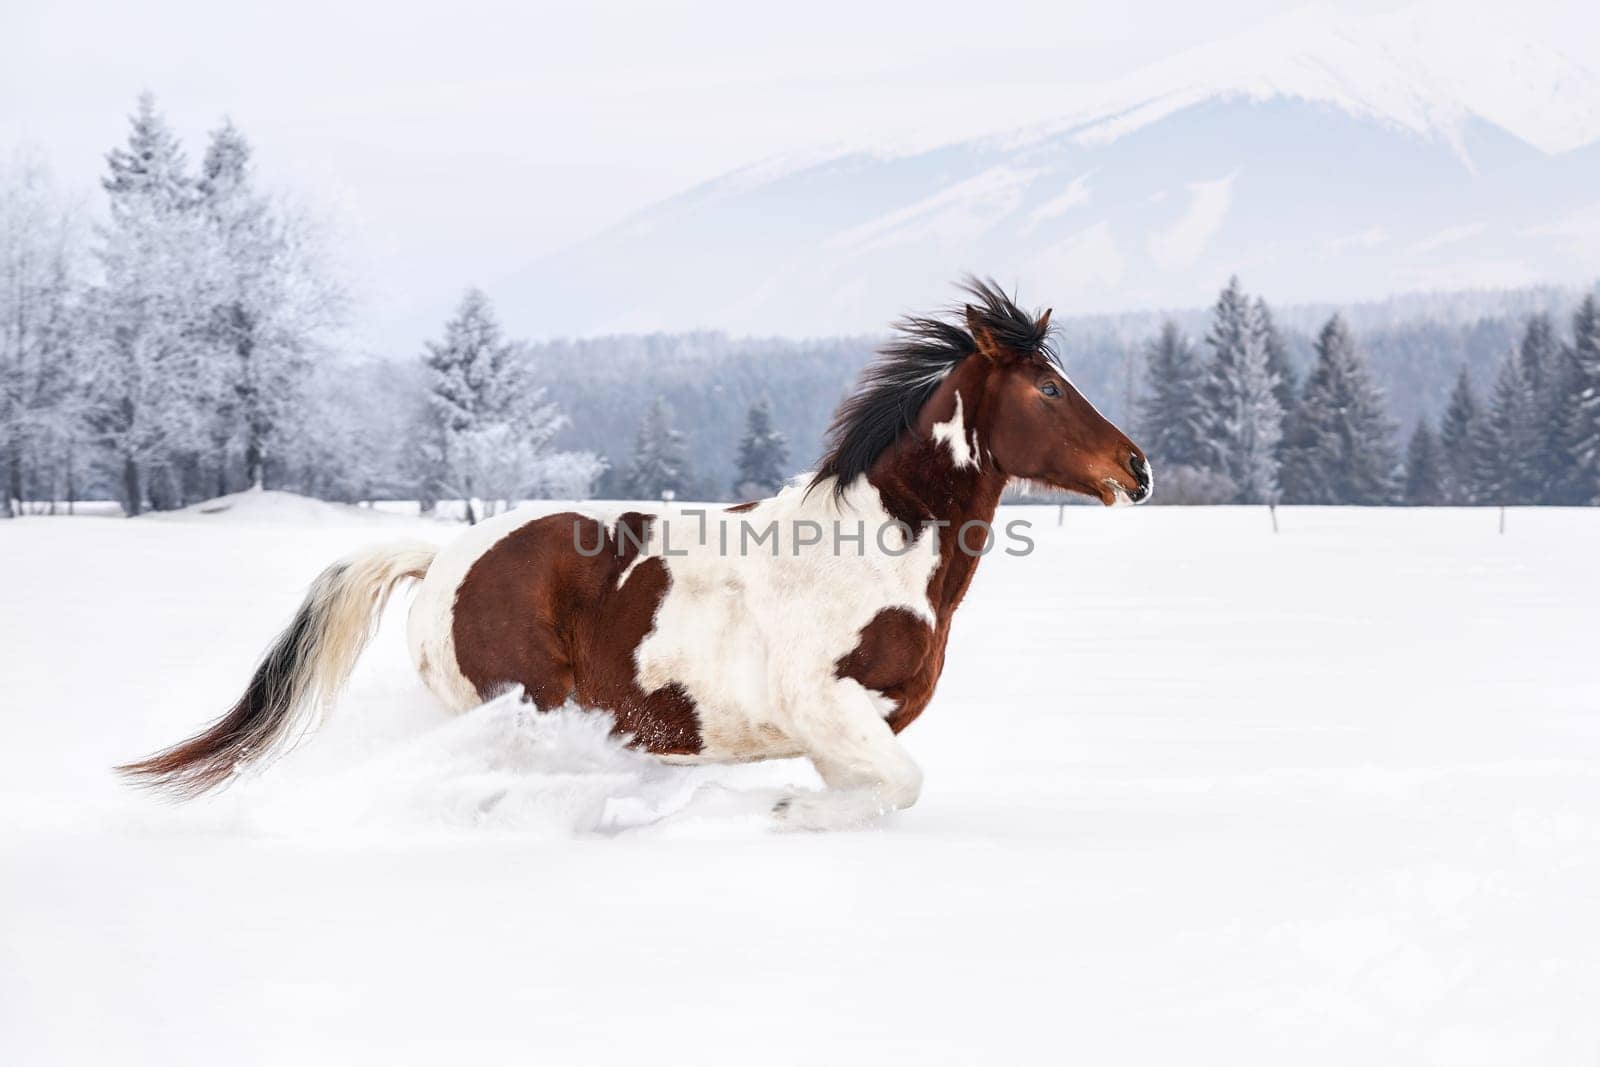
x: 810, y: 624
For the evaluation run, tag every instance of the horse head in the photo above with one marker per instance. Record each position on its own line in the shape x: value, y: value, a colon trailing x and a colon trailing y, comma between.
x: 1033, y: 422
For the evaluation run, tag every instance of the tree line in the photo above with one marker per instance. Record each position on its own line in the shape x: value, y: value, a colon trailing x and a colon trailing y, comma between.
x: 189, y: 344
x: 1237, y: 426
x: 171, y: 350
x: 488, y: 432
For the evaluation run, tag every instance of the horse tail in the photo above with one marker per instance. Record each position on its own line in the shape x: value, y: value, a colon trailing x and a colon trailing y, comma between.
x: 299, y: 676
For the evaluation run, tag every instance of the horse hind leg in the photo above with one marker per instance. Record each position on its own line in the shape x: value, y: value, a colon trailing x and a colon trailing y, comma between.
x: 868, y: 773
x: 491, y: 657
x: 543, y: 669
x: 532, y: 658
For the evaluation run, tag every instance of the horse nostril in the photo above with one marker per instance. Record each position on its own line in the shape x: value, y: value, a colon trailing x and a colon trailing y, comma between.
x: 1141, y: 469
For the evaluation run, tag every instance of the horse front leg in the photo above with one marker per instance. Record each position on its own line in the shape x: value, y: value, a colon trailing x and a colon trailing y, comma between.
x: 867, y: 771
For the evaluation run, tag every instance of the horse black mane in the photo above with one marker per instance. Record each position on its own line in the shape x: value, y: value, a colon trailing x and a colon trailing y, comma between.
x: 910, y: 367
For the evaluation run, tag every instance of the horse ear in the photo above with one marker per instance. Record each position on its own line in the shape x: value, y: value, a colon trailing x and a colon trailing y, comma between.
x: 983, y: 336
x: 1044, y: 320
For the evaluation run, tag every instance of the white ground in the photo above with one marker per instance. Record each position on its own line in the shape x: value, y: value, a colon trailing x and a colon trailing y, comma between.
x: 1195, y: 793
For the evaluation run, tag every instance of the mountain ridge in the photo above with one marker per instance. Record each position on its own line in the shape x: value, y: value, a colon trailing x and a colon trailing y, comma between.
x: 1345, y: 167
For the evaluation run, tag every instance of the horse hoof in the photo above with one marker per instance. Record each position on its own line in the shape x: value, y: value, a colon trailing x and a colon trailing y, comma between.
x: 829, y: 809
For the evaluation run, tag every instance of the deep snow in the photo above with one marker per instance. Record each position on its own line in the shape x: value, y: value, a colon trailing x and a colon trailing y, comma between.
x: 1195, y: 793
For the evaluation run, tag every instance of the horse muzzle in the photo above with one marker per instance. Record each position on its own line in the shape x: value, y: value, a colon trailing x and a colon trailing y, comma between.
x: 1139, y: 492
x: 1144, y: 476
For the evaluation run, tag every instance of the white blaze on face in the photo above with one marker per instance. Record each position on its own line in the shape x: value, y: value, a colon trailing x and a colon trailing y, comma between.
x: 954, y: 434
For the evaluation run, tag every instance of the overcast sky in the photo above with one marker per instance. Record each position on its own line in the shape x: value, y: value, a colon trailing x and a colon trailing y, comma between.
x: 464, y: 139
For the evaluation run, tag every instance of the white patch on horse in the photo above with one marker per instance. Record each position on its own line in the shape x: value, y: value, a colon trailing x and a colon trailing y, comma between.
x: 780, y: 615
x: 953, y: 433
x: 627, y: 572
x: 886, y: 706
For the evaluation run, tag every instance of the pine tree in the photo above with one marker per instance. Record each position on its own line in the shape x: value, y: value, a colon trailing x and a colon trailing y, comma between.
x: 1504, y: 447
x: 763, y: 455
x: 1457, y: 437
x: 1278, y: 362
x: 148, y: 378
x: 489, y: 428
x: 1243, y: 417
x: 1171, y: 417
x: 473, y: 367
x: 660, y: 458
x: 1340, y: 448
x: 1538, y: 351
x: 1582, y: 418
x: 1543, y: 372
x: 151, y: 171
x: 225, y: 171
x: 271, y: 304
x: 1424, y: 469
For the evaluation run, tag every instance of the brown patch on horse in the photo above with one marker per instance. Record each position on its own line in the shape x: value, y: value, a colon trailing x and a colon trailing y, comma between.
x: 900, y: 656
x: 532, y: 611
x: 508, y: 609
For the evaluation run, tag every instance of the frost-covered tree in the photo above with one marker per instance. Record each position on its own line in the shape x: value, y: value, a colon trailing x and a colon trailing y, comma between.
x: 1539, y: 351
x: 763, y: 455
x: 1243, y: 417
x: 148, y: 377
x: 272, y: 306
x: 489, y: 425
x: 354, y: 437
x: 660, y: 459
x: 211, y: 307
x: 476, y: 375
x: 1340, y: 448
x: 1582, y: 418
x: 1424, y: 467
x: 568, y: 475
x: 40, y: 332
x: 1457, y: 437
x: 1171, y: 417
x: 151, y: 166
x: 1278, y: 362
x: 1504, y: 445
x: 1542, y: 363
x: 1194, y: 485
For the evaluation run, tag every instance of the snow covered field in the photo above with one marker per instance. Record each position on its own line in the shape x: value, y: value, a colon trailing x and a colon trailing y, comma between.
x: 1195, y: 793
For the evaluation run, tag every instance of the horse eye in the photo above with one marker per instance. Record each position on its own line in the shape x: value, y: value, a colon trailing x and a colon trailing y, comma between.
x: 1050, y: 389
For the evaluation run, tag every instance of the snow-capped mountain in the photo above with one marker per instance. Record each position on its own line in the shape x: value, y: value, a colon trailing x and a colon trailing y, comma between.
x: 1324, y: 158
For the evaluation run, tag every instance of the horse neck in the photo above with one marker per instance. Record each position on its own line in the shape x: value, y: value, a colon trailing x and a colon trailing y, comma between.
x: 939, y: 471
